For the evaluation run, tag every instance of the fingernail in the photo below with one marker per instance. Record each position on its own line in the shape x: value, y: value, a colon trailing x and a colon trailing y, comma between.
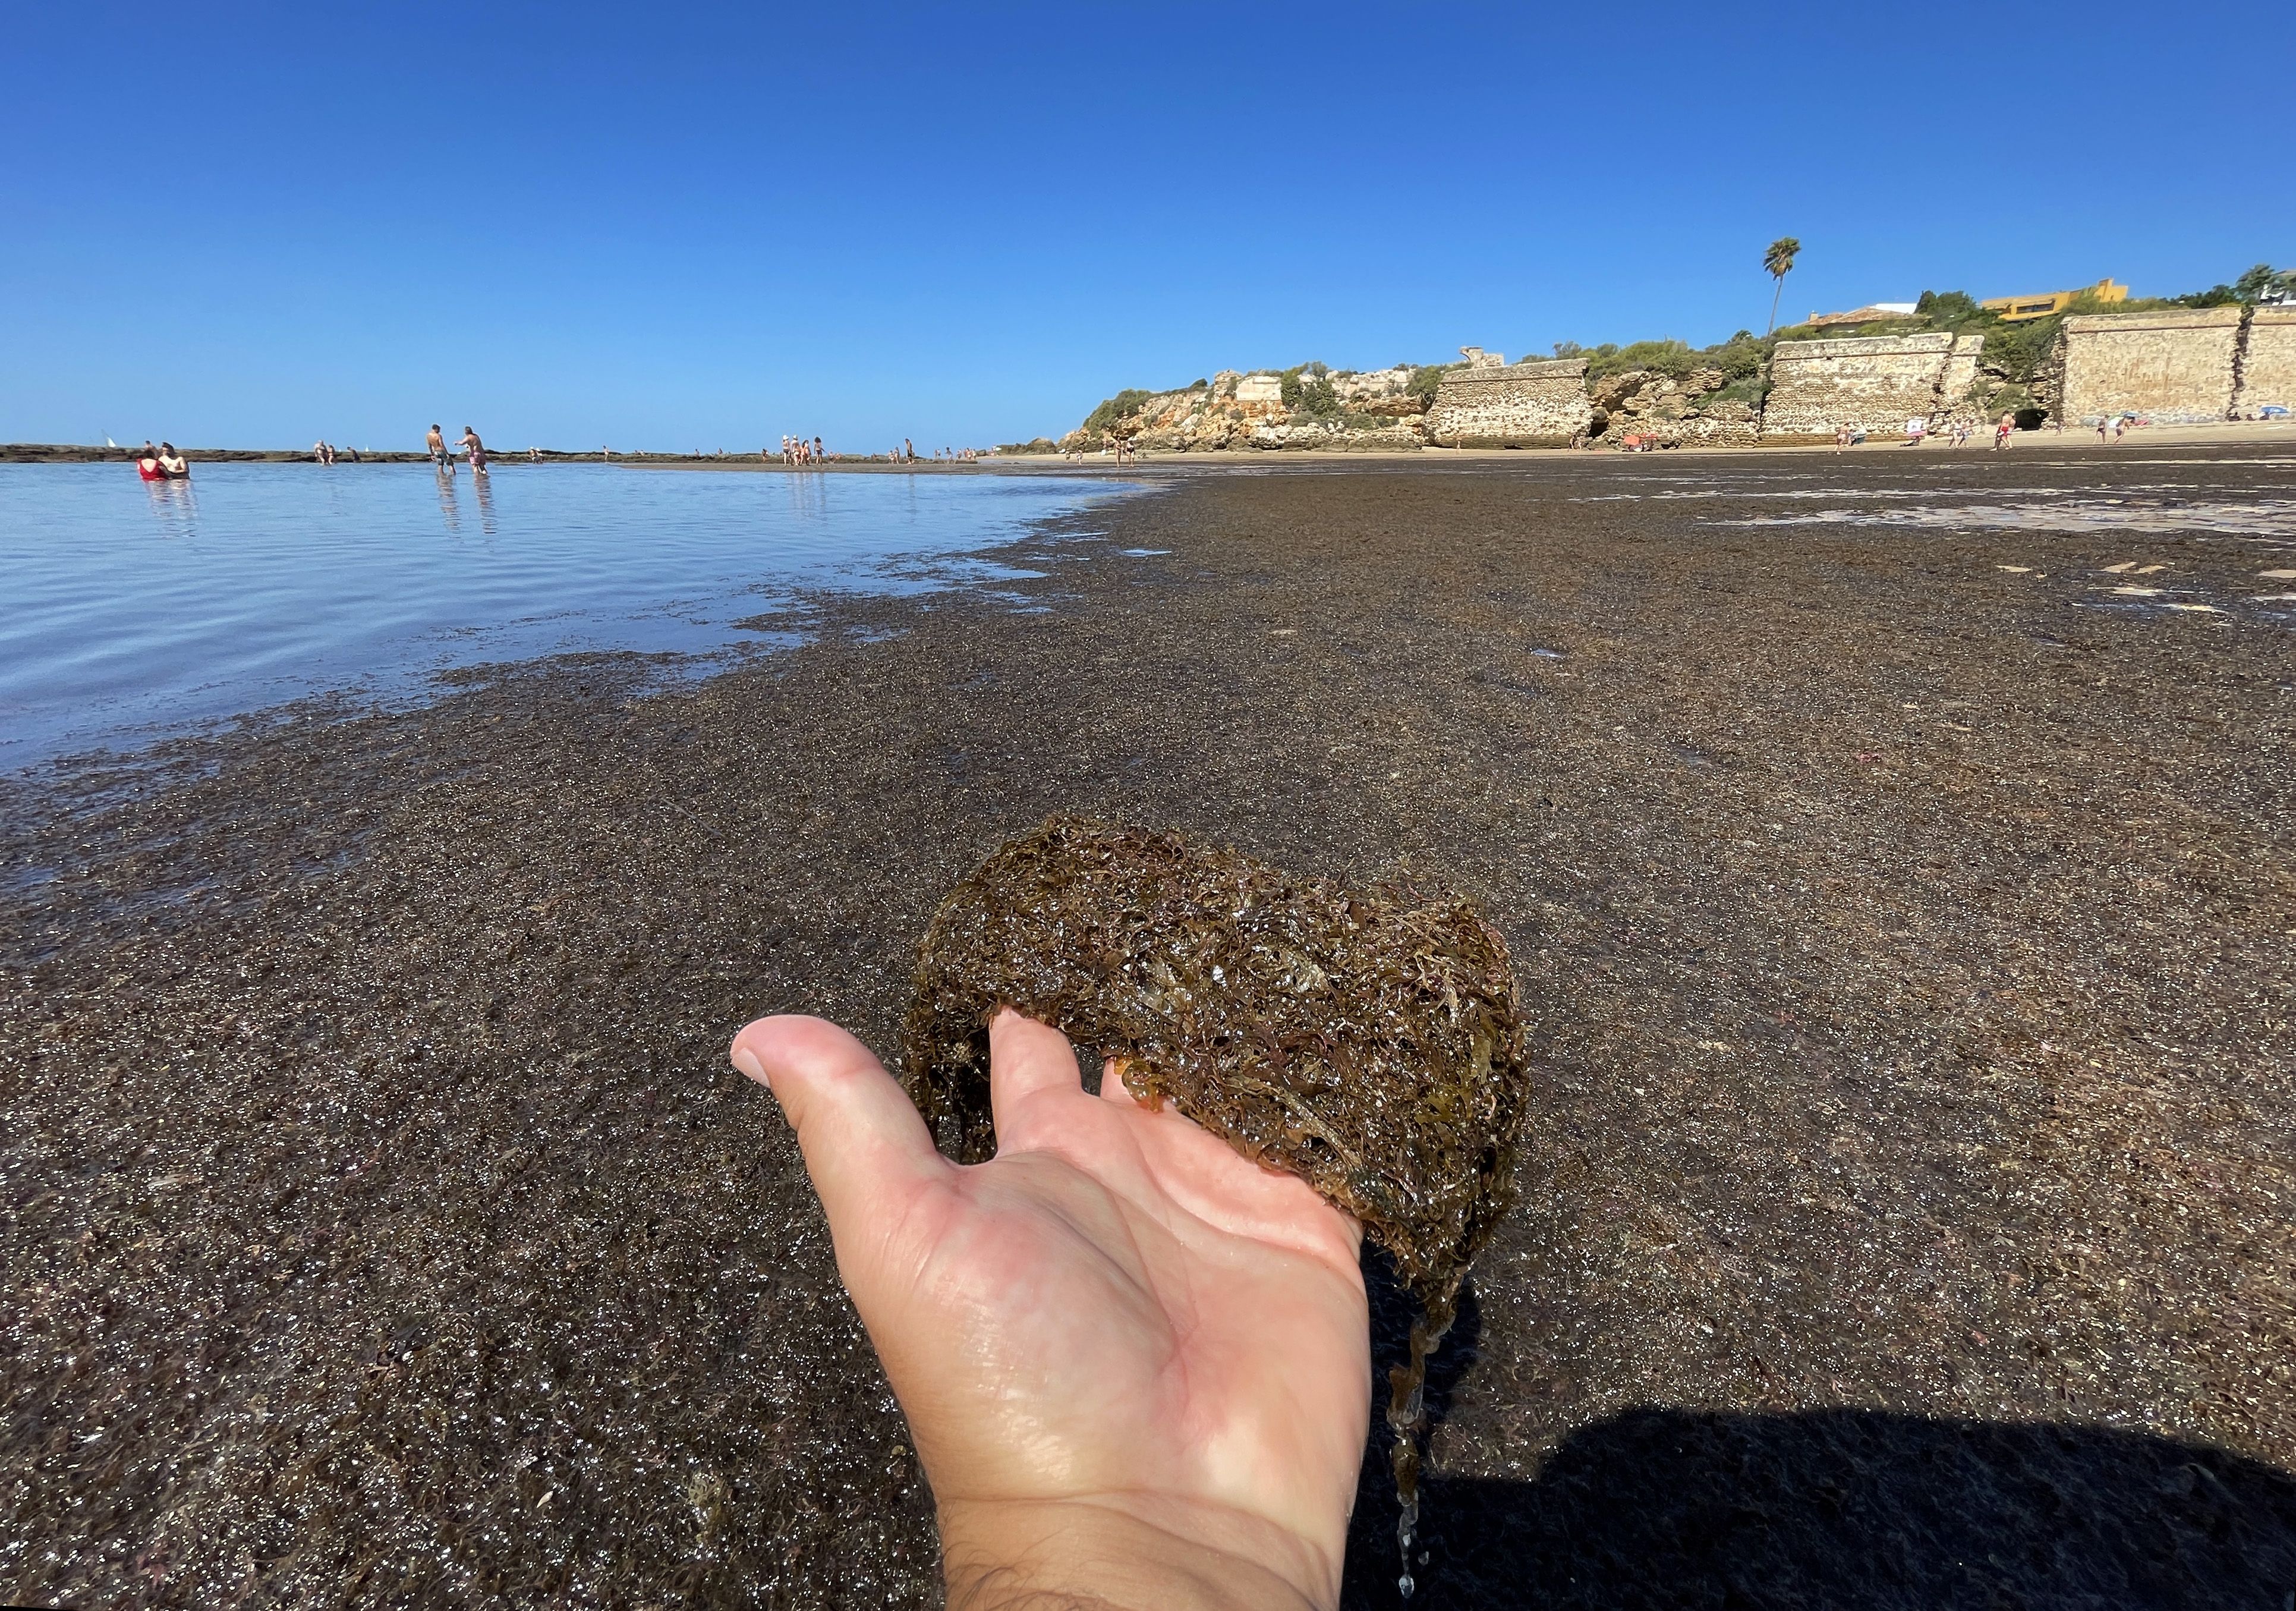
x: 747, y: 1062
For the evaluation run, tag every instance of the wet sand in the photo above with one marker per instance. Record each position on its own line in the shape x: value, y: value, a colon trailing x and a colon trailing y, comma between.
x: 1906, y: 1210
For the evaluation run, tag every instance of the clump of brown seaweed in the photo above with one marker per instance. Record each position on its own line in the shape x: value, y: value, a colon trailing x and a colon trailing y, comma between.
x: 1365, y: 1040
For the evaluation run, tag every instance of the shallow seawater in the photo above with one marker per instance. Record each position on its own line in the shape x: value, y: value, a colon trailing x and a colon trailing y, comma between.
x: 131, y: 609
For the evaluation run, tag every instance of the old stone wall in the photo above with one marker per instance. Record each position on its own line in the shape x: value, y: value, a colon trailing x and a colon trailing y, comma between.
x: 1539, y: 404
x: 2267, y: 361
x: 1874, y: 382
x: 2174, y: 367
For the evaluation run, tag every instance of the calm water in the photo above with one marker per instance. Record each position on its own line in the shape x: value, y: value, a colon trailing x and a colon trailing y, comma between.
x: 129, y: 609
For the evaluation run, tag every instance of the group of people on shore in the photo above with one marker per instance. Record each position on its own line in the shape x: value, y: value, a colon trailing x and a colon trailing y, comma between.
x: 799, y: 454
x: 327, y: 453
x: 435, y: 442
x: 1112, y: 446
x: 1917, y: 431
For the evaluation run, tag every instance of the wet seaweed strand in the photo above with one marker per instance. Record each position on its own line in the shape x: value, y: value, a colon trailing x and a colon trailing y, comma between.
x: 1365, y: 1039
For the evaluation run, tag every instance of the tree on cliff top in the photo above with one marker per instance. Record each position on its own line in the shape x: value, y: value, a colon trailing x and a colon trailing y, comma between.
x: 2264, y: 283
x: 1778, y: 262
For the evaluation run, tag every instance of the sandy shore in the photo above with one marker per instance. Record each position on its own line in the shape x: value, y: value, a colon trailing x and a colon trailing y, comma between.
x: 1904, y: 909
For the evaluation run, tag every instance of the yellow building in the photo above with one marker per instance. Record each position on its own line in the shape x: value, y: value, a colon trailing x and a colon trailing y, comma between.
x: 2012, y: 309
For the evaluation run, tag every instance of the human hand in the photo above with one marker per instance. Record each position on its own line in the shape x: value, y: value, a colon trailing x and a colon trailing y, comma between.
x: 1137, y: 1366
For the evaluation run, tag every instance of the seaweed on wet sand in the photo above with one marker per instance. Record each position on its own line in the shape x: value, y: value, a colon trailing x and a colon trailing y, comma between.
x: 1365, y: 1040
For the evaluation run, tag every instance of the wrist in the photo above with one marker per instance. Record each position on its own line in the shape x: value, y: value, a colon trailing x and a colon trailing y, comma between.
x: 1129, y: 1552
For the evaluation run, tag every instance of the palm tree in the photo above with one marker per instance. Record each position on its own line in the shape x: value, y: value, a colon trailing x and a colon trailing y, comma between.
x: 1778, y: 262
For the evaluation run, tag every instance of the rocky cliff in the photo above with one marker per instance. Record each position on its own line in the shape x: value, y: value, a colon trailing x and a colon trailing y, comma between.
x: 1305, y: 407
x: 1672, y: 410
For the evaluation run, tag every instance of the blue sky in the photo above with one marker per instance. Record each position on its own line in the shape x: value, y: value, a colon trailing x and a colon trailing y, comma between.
x: 683, y: 229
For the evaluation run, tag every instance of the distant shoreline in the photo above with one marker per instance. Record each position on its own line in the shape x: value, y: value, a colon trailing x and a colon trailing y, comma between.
x: 2229, y: 430
x: 73, y: 453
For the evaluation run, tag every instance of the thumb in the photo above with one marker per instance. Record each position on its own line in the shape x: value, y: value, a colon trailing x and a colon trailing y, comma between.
x: 864, y: 1144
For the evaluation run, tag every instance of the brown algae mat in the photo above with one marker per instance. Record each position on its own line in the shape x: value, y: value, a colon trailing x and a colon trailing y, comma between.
x: 1365, y: 1040
x: 1907, y: 1218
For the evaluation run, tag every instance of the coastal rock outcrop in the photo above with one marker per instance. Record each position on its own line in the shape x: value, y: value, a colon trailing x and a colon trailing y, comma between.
x: 1308, y: 407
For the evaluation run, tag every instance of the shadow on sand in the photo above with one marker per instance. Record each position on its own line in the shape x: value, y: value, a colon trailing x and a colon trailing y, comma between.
x: 1847, y: 1510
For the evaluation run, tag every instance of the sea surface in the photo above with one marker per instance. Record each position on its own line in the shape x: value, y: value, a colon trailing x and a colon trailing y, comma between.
x: 131, y: 611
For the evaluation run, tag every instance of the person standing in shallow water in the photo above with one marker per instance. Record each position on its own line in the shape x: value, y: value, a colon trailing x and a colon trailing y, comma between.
x: 435, y: 444
x: 1137, y: 1366
x: 478, y: 450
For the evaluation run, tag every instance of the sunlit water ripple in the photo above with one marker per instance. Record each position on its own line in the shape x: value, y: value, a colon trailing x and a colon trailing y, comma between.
x: 130, y: 611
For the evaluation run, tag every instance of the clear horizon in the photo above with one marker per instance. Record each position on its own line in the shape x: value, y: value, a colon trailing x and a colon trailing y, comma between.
x: 571, y: 230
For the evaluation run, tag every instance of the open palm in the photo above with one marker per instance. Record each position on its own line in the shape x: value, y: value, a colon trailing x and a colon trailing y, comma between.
x: 1124, y: 1351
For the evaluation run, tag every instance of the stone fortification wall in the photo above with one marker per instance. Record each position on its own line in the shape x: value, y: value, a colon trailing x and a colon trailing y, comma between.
x: 2267, y: 361
x: 2173, y: 366
x: 1875, y: 383
x: 1541, y: 405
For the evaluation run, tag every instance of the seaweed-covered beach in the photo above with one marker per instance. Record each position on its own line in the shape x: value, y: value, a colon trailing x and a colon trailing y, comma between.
x: 1895, y: 853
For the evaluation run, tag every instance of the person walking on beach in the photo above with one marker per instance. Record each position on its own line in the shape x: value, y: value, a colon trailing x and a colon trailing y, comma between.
x: 2008, y: 423
x: 435, y: 444
x: 478, y: 450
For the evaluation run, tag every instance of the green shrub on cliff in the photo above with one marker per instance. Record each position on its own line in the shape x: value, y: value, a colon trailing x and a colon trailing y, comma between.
x: 1667, y: 356
x: 2014, y: 351
x: 1307, y: 390
x: 1115, y: 411
x: 1742, y: 358
x: 1950, y: 309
